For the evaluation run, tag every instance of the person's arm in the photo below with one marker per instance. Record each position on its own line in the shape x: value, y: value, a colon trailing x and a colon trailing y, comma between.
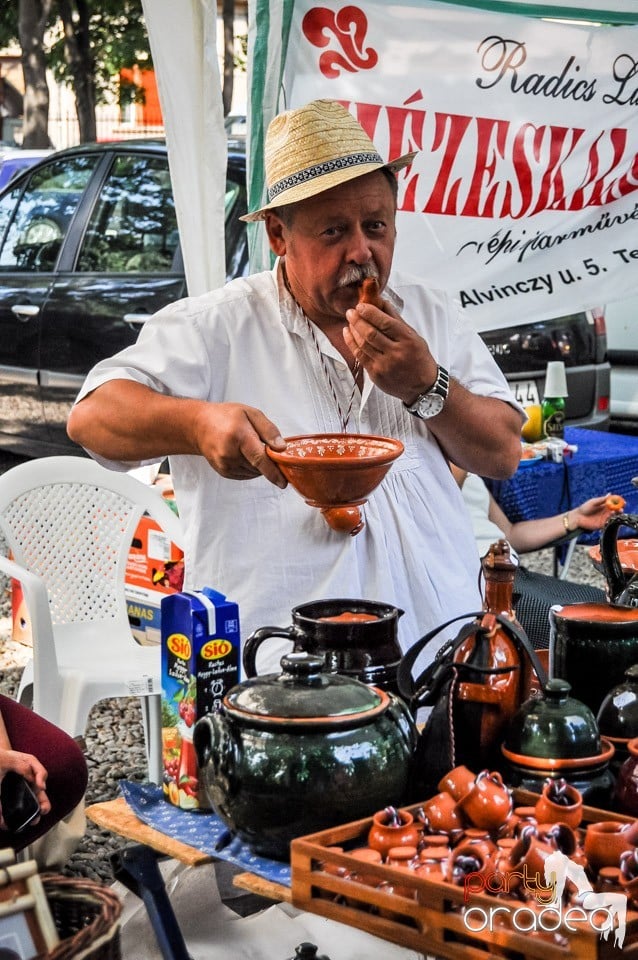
x: 527, y: 535
x: 25, y: 764
x: 128, y: 421
x: 480, y: 434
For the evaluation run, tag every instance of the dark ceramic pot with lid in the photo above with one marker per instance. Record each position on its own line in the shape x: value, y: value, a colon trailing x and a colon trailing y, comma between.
x: 356, y: 638
x: 292, y: 753
x: 556, y: 736
x: 618, y: 715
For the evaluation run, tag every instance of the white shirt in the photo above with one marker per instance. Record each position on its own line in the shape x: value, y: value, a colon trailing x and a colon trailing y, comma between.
x: 266, y: 548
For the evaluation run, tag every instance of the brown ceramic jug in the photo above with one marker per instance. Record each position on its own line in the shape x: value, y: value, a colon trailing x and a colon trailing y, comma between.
x: 356, y: 638
x: 593, y: 644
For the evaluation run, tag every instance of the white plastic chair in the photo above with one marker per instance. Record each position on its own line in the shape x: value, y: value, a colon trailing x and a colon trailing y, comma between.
x: 69, y: 523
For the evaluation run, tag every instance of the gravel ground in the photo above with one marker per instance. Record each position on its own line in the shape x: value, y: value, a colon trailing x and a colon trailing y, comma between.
x: 114, y: 742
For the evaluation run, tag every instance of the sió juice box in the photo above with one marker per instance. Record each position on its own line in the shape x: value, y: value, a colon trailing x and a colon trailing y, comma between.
x: 200, y: 663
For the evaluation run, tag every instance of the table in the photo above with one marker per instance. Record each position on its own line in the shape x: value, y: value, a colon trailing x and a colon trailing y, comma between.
x: 137, y: 868
x: 603, y: 463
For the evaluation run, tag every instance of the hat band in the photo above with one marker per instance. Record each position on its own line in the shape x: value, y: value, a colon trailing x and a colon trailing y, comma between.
x: 319, y: 170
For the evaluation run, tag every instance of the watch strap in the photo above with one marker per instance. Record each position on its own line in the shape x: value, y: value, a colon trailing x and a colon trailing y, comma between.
x: 440, y: 387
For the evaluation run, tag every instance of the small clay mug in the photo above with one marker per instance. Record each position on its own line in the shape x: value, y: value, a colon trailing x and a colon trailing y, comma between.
x: 605, y: 842
x: 365, y: 856
x: 432, y: 862
x: 457, y: 782
x: 559, y: 802
x: 383, y: 835
x: 488, y: 803
x: 629, y: 874
x: 468, y: 859
x: 443, y: 814
x: 560, y: 836
x: 527, y: 860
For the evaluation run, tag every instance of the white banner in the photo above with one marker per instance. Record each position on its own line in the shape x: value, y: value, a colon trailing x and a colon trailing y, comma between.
x: 523, y: 199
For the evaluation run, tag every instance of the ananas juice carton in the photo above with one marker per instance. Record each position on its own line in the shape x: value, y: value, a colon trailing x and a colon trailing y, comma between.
x: 200, y: 663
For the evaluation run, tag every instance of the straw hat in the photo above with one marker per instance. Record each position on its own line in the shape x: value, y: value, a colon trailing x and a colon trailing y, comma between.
x: 314, y: 148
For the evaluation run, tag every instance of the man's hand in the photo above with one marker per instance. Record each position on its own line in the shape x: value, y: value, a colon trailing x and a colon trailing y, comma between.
x: 232, y: 438
x: 396, y: 358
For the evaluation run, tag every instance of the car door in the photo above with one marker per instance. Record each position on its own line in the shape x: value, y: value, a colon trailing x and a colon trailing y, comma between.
x: 126, y: 267
x: 35, y: 218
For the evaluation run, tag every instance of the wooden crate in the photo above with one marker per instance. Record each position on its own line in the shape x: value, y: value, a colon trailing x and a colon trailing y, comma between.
x: 431, y: 920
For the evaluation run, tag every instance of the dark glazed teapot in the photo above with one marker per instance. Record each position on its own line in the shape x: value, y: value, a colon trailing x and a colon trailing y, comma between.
x: 356, y: 638
x: 291, y: 753
x: 622, y: 588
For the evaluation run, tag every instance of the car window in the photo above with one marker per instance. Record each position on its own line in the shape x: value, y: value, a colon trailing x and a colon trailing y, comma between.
x: 31, y: 232
x: 133, y: 227
x: 236, y: 239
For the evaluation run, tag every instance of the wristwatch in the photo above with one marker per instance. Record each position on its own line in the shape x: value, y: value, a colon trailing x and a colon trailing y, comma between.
x: 429, y: 404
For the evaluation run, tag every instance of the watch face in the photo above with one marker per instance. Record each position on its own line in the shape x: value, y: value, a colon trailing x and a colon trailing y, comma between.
x: 430, y: 405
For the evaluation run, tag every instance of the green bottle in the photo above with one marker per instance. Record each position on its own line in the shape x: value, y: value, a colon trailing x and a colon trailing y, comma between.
x: 554, y: 417
x: 553, y: 405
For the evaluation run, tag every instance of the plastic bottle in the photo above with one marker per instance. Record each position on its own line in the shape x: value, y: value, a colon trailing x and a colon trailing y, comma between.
x: 553, y: 406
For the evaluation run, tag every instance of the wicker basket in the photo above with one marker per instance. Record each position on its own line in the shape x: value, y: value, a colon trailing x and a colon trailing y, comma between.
x: 87, y: 918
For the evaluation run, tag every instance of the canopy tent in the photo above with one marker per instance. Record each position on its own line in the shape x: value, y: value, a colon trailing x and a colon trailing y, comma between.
x: 184, y: 51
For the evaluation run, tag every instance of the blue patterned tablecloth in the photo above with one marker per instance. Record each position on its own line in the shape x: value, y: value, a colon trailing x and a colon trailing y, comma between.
x: 603, y: 463
x: 200, y: 830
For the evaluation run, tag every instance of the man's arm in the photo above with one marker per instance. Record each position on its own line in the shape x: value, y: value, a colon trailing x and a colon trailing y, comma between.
x: 480, y: 434
x: 128, y: 421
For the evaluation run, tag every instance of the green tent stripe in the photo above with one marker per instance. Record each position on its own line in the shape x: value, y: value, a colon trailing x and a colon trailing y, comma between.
x: 548, y: 10
x: 271, y: 34
x: 257, y: 88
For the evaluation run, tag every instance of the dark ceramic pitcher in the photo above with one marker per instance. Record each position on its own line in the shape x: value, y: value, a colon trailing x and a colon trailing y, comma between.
x: 593, y: 644
x: 356, y: 638
x: 622, y: 588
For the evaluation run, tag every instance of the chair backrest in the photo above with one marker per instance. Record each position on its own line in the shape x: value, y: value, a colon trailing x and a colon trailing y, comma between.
x: 71, y: 522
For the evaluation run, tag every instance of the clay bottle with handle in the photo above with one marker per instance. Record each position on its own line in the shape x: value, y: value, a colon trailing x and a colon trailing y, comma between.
x: 503, y: 678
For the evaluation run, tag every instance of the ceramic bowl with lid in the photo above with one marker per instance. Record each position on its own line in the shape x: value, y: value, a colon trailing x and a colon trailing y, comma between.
x: 554, y: 736
x: 554, y: 725
x: 292, y: 753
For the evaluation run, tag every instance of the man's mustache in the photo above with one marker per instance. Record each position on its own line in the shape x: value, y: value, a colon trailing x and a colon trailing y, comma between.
x: 356, y: 274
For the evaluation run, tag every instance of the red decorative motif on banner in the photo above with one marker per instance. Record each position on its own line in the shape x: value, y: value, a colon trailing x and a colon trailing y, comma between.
x: 347, y: 28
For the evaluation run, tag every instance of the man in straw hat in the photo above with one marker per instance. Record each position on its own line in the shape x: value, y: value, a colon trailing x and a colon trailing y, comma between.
x: 213, y: 381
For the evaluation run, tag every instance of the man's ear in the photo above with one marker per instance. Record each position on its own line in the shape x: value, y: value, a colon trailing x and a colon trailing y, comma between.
x: 275, y: 231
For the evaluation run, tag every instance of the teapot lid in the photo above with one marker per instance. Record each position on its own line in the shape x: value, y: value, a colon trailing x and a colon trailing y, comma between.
x: 555, y: 726
x: 303, y: 693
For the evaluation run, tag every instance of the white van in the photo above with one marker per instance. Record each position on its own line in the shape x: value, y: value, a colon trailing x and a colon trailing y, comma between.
x: 621, y: 319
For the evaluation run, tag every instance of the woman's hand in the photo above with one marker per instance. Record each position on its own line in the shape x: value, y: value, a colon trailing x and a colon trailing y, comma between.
x: 592, y: 514
x: 32, y: 770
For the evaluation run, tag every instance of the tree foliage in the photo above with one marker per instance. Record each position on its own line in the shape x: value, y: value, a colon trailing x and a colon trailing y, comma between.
x: 112, y: 32
x: 117, y: 37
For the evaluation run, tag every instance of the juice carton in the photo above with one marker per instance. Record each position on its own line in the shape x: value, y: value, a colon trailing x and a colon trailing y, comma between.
x: 155, y: 567
x: 200, y: 664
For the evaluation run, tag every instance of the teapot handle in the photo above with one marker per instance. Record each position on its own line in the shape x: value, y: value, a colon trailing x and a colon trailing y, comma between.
x: 255, y: 640
x: 612, y: 569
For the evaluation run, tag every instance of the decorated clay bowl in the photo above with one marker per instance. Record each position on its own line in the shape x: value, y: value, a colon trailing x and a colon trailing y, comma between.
x: 337, y: 472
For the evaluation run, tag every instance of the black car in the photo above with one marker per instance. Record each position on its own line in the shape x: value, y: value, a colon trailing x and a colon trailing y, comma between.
x: 89, y: 249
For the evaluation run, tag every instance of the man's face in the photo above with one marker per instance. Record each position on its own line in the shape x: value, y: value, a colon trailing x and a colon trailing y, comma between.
x: 332, y: 240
